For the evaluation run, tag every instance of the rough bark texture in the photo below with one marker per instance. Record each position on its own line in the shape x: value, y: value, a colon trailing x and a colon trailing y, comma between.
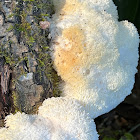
x: 5, y: 99
x: 25, y: 63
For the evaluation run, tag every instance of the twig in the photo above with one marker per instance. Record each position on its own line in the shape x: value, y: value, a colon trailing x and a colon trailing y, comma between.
x: 134, y: 128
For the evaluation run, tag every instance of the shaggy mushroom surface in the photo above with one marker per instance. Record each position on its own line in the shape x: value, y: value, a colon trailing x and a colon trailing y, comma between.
x: 94, y: 53
x: 58, y: 119
x: 96, y: 57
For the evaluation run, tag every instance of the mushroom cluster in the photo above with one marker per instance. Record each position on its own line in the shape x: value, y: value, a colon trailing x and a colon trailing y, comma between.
x: 96, y: 57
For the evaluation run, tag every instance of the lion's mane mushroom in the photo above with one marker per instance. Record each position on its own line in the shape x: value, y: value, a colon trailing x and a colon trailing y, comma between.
x: 58, y: 119
x: 69, y: 119
x: 94, y: 53
x: 26, y: 127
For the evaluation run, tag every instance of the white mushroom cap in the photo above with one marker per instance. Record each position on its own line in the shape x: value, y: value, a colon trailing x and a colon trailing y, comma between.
x: 26, y: 127
x: 58, y: 119
x: 99, y: 5
x: 70, y: 121
x: 95, y: 54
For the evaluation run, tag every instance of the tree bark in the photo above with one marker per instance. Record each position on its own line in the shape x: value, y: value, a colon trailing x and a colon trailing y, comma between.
x: 26, y: 72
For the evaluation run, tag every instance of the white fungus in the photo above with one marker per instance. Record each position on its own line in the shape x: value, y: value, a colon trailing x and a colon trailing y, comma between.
x: 94, y: 53
x: 96, y: 56
x: 58, y: 119
x: 26, y: 127
x: 69, y: 119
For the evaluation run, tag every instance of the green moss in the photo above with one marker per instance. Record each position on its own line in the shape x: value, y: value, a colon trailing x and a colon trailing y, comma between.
x: 31, y: 38
x: 127, y: 136
x: 15, y: 102
x: 10, y: 28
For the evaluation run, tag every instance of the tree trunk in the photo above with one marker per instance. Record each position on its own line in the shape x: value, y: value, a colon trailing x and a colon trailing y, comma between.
x: 26, y: 72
